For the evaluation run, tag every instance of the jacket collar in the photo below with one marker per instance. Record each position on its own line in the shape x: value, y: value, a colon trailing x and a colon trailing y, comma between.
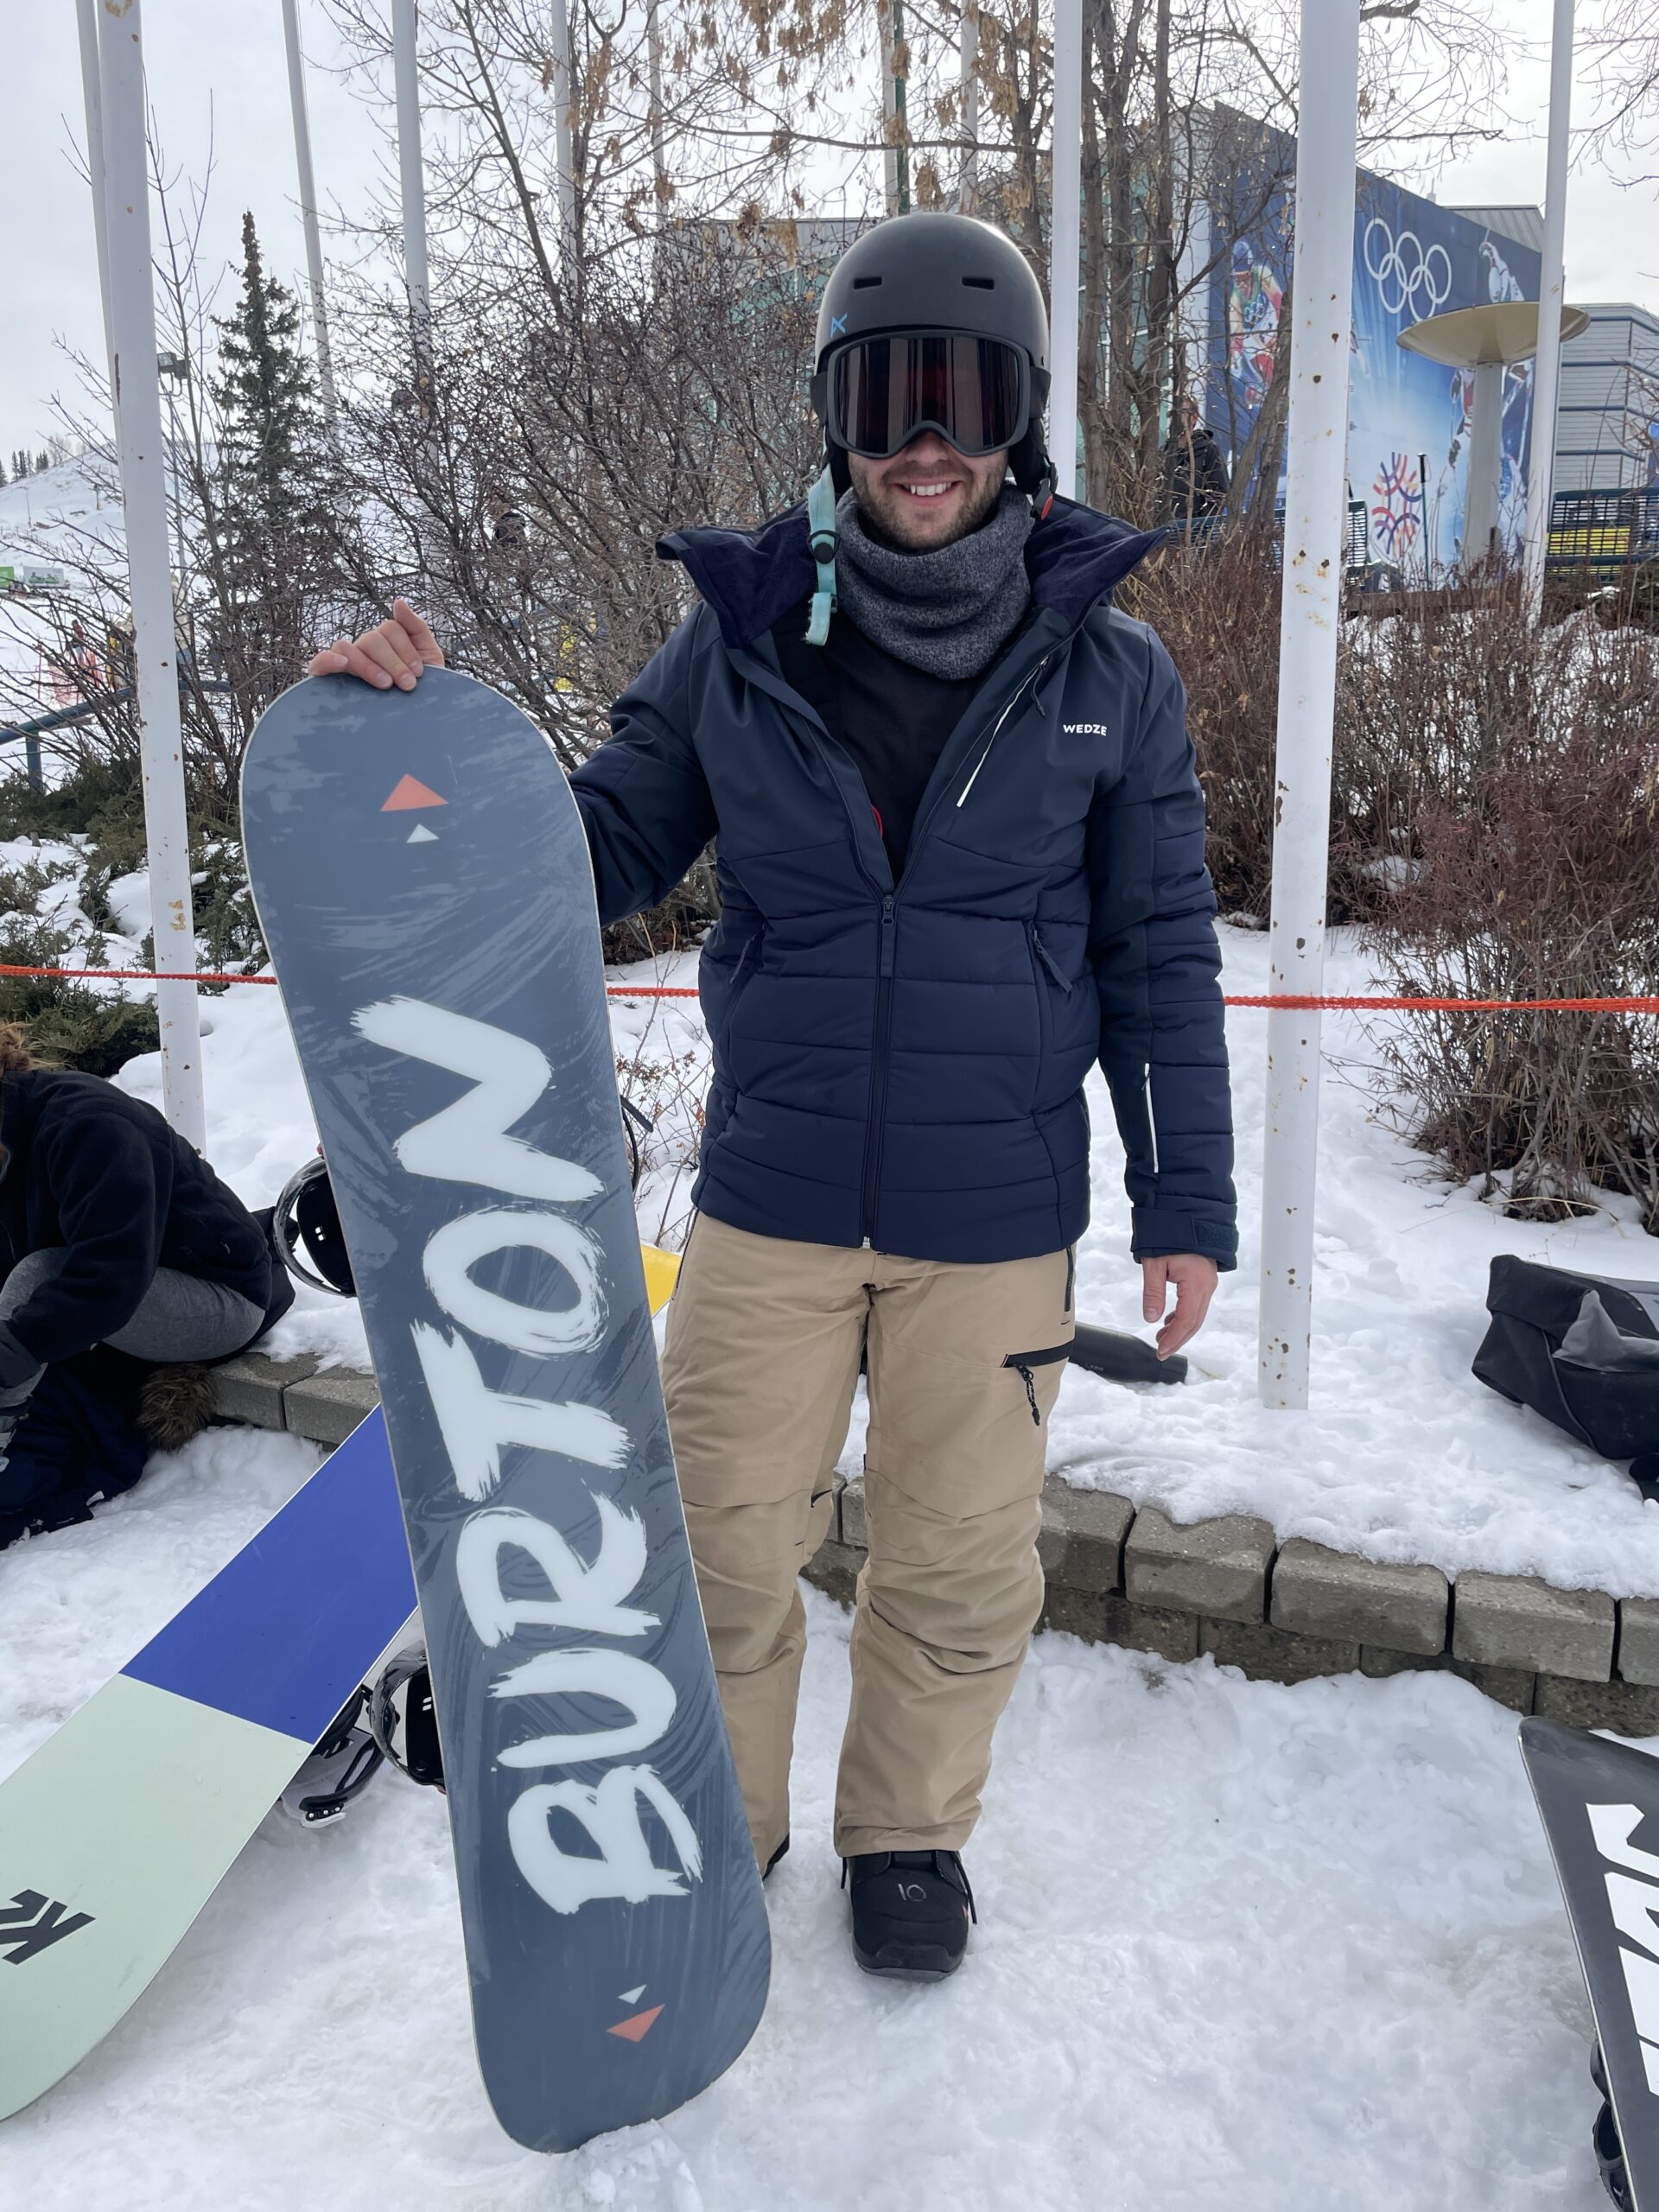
x: 751, y: 578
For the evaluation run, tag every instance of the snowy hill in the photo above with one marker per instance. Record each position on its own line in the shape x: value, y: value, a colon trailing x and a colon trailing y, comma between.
x: 48, y: 515
x: 57, y: 522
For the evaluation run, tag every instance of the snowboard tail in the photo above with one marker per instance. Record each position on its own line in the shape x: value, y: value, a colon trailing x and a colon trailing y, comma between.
x: 117, y: 1830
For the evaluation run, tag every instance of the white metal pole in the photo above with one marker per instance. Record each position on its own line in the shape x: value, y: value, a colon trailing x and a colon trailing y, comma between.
x: 86, y: 25
x: 309, y: 209
x: 1311, y: 608
x: 564, y: 137
x: 1547, y: 370
x: 886, y: 37
x: 1065, y: 243
x: 968, y: 78
x: 406, y: 78
x: 143, y: 498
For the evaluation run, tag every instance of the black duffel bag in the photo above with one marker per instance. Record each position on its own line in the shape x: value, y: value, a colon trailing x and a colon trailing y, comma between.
x: 1581, y: 1349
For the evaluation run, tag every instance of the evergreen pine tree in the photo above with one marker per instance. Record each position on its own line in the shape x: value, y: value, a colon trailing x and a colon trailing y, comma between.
x: 4, y: 479
x: 42, y: 461
x: 275, y: 539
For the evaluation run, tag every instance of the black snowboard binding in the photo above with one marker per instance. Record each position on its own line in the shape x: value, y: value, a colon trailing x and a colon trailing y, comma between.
x: 345, y: 1762
x: 306, y: 1215
x: 1604, y: 2137
x: 403, y: 1721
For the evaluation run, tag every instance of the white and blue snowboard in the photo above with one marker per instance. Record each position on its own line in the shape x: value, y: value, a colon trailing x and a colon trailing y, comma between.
x: 422, y: 880
x: 117, y: 1830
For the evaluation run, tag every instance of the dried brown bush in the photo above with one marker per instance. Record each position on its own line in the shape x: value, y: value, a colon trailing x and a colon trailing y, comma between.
x: 1521, y: 835
x: 1216, y: 605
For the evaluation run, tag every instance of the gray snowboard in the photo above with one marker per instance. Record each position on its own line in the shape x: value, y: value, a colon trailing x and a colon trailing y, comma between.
x: 422, y: 880
x: 1599, y: 1805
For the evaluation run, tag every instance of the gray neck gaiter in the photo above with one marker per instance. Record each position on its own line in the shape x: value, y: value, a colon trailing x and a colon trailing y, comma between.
x: 949, y: 610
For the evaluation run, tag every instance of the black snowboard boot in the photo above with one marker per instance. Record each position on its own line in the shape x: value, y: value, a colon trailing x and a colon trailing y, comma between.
x: 910, y: 1911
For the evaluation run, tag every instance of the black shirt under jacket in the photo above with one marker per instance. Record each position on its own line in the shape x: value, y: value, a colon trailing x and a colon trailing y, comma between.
x: 893, y: 719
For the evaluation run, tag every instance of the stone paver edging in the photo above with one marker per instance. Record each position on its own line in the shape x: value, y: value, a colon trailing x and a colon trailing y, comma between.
x: 1282, y: 1612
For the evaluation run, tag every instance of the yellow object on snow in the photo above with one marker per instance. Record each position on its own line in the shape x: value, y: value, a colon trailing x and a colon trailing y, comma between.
x: 661, y: 1273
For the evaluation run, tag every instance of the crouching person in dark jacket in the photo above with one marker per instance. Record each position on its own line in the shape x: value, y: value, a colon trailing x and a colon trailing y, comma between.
x: 961, y: 853
x: 116, y: 1237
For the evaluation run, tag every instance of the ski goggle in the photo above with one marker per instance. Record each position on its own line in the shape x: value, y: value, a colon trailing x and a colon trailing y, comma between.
x: 884, y: 391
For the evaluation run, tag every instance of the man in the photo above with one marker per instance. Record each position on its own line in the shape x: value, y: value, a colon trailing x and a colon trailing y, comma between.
x: 961, y: 852
x: 1195, y: 475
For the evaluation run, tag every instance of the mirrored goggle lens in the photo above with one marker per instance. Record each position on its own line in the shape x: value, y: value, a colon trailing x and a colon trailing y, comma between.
x: 884, y: 390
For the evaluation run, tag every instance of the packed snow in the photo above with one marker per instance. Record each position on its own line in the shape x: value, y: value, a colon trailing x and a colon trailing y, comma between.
x: 1242, y: 1947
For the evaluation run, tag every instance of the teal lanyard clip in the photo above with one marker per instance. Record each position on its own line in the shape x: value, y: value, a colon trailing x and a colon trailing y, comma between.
x: 821, y: 523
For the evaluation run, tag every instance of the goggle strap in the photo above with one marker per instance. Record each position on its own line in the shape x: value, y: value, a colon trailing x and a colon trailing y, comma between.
x: 821, y: 527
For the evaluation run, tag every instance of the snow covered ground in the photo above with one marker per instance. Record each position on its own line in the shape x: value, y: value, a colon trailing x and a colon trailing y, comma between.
x: 1243, y: 1947
x: 1403, y: 1456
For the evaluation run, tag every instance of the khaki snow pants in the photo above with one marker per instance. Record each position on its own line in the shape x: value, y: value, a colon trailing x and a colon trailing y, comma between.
x: 764, y: 1337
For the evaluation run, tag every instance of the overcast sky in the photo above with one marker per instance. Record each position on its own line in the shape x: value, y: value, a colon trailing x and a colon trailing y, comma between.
x: 218, y: 79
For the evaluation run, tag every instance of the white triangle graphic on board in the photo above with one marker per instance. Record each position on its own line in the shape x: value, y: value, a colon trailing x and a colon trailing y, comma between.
x: 420, y: 834
x: 631, y: 1996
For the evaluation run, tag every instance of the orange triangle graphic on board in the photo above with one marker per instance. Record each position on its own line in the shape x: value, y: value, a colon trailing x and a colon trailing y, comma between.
x: 636, y: 2028
x: 411, y: 793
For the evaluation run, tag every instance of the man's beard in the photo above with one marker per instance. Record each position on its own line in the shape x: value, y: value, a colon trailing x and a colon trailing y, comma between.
x: 884, y: 519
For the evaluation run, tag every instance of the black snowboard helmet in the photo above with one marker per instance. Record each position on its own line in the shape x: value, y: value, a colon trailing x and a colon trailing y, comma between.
x: 939, y: 276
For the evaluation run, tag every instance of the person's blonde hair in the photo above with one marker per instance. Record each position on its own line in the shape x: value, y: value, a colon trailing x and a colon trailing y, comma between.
x: 15, y: 1054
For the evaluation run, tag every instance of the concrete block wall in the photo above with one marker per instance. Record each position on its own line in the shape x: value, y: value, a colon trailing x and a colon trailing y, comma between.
x: 1281, y: 1612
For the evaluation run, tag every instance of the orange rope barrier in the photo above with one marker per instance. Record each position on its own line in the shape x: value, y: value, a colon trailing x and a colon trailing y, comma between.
x: 682, y: 991
x: 1460, y: 1006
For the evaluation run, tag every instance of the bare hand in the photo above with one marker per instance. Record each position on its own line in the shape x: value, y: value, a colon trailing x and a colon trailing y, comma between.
x: 392, y: 652
x: 1194, y: 1278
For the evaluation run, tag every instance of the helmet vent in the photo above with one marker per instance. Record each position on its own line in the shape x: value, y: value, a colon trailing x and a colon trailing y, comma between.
x: 863, y: 283
x: 981, y: 283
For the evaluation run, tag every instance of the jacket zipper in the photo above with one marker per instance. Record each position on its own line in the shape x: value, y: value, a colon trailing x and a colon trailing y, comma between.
x: 888, y: 931
x: 878, y: 1105
x: 1035, y: 676
x: 875, y: 1129
x: 1048, y: 960
x: 749, y: 943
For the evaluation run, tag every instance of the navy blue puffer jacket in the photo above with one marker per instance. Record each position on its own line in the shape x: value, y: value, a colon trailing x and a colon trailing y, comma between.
x: 900, y: 1065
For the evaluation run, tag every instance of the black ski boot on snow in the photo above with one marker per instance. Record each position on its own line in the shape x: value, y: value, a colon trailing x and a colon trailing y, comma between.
x: 910, y: 1912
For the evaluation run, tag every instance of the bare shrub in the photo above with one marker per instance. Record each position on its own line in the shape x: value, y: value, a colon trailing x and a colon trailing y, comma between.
x: 1216, y: 605
x: 1523, y: 821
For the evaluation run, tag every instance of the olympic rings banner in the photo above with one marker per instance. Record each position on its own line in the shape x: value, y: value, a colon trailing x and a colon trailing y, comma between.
x: 1409, y: 419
